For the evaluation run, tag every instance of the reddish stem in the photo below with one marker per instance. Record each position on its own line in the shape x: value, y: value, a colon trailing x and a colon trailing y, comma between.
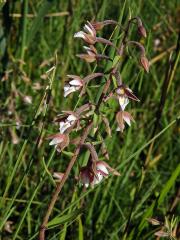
x: 61, y: 183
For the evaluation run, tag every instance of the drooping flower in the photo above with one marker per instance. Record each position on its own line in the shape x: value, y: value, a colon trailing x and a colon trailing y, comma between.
x: 74, y: 85
x: 124, y: 94
x: 58, y: 176
x: 60, y: 141
x: 91, y: 55
x: 89, y: 35
x: 121, y: 118
x: 67, y: 120
x: 90, y: 176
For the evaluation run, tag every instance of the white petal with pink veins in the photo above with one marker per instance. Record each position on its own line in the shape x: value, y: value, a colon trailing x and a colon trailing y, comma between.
x: 75, y: 82
x: 79, y: 35
x: 71, y: 118
x: 127, y: 120
x: 64, y: 126
x: 69, y: 90
x: 87, y: 48
x: 88, y: 29
x: 101, y: 167
x: 97, y: 179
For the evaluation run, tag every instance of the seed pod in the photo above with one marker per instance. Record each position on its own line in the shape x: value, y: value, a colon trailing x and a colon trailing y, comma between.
x: 142, y: 31
x: 144, y: 63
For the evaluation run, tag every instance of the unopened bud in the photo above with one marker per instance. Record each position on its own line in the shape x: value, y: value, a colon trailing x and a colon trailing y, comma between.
x: 97, y: 25
x: 144, y: 63
x: 142, y: 31
x: 154, y: 221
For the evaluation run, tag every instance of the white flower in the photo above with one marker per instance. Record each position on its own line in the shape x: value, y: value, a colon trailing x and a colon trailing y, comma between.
x: 60, y: 141
x: 89, y: 35
x: 67, y: 123
x: 122, y: 117
x: 80, y: 34
x: 124, y: 94
x: 63, y: 126
x: 74, y: 85
x: 123, y: 102
x: 88, y: 177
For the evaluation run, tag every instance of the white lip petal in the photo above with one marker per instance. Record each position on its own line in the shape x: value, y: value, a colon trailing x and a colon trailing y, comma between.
x: 75, y: 82
x: 64, y: 126
x: 66, y: 87
x: 56, y: 141
x: 87, y: 48
x: 123, y: 101
x: 79, y: 35
x: 101, y: 167
x: 88, y: 29
x: 127, y: 120
x: 86, y: 185
x: 98, y: 179
x: 71, y: 118
x: 70, y: 90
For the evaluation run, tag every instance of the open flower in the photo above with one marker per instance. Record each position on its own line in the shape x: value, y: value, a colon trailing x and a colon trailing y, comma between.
x: 67, y: 121
x: 121, y: 118
x: 89, y: 35
x: 124, y: 94
x: 74, y: 85
x: 60, y: 141
x: 91, y: 176
x: 91, y: 55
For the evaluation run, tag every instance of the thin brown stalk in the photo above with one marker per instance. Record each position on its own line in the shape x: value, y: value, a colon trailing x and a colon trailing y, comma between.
x: 54, y: 198
x: 62, y: 182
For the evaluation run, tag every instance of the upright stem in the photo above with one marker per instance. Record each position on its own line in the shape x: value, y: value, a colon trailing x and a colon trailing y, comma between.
x: 114, y: 71
x: 24, y: 30
x: 61, y: 183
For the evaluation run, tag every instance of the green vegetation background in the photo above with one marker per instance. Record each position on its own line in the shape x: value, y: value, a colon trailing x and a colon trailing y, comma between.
x: 117, y: 208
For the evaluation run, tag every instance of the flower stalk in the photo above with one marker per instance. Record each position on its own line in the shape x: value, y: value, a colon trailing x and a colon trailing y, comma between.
x: 84, y: 116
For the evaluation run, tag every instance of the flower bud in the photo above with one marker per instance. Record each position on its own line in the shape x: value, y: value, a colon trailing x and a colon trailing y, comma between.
x: 97, y: 25
x: 142, y: 31
x: 144, y: 63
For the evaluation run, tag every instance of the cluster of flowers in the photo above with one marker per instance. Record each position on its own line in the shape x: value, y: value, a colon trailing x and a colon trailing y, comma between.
x: 96, y: 170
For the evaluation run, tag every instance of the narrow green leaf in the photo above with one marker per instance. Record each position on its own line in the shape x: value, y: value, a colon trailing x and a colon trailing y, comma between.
x: 65, y: 218
x: 169, y: 185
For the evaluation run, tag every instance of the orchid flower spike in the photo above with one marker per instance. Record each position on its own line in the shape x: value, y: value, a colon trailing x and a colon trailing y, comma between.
x: 89, y: 36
